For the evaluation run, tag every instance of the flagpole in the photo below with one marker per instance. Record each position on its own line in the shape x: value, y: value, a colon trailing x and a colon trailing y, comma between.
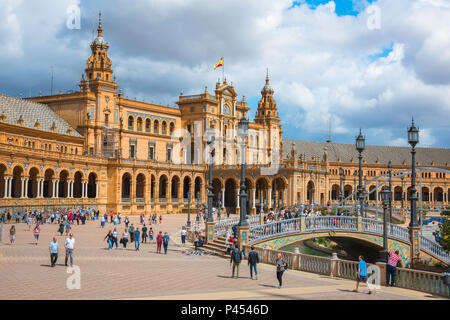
x: 223, y: 70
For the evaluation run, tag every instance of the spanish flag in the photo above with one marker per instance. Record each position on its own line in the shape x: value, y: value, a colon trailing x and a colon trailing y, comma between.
x: 219, y: 64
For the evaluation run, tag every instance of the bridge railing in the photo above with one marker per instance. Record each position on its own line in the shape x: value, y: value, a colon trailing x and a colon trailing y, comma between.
x: 398, y: 232
x: 221, y: 227
x: 434, y: 248
x: 424, y: 281
x: 283, y: 227
x: 334, y: 222
x: 372, y: 225
x: 268, y: 230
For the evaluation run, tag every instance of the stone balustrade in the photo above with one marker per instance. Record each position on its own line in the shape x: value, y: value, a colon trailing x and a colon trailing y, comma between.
x: 334, y: 267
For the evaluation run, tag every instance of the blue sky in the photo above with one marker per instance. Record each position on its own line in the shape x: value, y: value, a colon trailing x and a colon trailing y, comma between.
x: 325, y: 63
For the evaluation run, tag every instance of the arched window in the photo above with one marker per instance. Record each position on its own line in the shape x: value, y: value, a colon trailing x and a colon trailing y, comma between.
x: 130, y: 123
x: 172, y: 127
x: 147, y: 125
x: 139, y: 124
x: 156, y: 126
x: 164, y: 127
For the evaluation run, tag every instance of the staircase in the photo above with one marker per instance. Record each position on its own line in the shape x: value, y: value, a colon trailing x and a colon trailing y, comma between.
x: 217, y: 246
x: 427, y: 232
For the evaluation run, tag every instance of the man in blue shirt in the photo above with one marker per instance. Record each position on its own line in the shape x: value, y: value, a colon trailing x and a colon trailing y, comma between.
x: 165, y: 242
x: 137, y: 239
x: 53, y: 249
x: 362, y: 274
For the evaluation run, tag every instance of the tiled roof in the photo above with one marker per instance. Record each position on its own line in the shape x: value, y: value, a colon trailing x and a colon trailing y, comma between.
x: 32, y: 112
x: 372, y: 154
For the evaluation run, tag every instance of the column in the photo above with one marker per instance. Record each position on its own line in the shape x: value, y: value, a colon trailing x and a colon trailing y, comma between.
x: 38, y: 187
x: 223, y: 198
x: 6, y: 187
x: 269, y: 198
x: 71, y: 188
x: 254, y: 198
x: 84, y: 189
x: 22, y: 182
x: 53, y: 188
x: 10, y: 187
x: 26, y: 188
x: 57, y: 189
x: 96, y: 189
x: 238, y: 199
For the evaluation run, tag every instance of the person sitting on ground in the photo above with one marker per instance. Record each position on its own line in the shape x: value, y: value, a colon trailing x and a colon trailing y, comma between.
x: 198, y: 243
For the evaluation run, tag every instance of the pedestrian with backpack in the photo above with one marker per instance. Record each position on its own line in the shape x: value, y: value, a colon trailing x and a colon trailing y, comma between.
x: 235, y: 260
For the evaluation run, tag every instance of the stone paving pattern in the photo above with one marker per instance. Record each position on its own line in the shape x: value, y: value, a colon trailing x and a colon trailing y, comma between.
x: 25, y: 271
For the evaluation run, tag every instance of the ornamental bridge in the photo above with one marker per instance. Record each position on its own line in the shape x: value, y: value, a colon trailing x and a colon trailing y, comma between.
x: 276, y: 235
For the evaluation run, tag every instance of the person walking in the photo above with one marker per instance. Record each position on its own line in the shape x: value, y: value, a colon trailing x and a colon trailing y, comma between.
x: 281, y: 267
x: 150, y: 234
x: 69, y: 245
x: 108, y: 238
x: 160, y: 219
x: 144, y: 234
x: 137, y: 239
x: 29, y: 222
x: 37, y: 231
x: 126, y: 222
x: 253, y: 260
x: 234, y: 228
x: 166, y: 242
x: 102, y: 221
x: 183, y: 236
x: 12, y: 234
x: 61, y: 228
x: 125, y: 238
x: 362, y: 274
x: 159, y: 241
x: 53, y: 249
x: 131, y: 231
x: 119, y: 216
x: 235, y: 260
x: 114, y: 238
x: 391, y: 267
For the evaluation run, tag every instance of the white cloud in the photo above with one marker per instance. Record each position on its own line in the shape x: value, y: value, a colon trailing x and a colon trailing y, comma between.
x: 319, y: 62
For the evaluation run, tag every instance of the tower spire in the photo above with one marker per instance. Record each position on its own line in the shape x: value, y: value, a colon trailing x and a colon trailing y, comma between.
x: 267, y: 75
x: 100, y: 30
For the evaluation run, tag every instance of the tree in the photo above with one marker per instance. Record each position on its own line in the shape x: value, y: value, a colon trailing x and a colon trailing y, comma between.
x: 444, y: 229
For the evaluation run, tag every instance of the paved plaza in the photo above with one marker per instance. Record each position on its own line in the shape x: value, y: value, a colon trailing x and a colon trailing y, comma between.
x: 25, y: 271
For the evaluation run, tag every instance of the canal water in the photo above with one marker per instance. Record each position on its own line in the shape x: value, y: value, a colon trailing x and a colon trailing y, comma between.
x: 304, y: 249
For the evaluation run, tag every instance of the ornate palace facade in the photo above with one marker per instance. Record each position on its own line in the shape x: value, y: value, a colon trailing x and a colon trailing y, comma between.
x: 97, y: 148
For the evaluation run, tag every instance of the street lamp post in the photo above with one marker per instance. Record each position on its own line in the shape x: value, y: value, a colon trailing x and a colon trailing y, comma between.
x: 243, y: 127
x: 210, y: 187
x: 275, y: 204
x: 414, y: 229
x: 188, y: 224
x: 341, y: 195
x: 390, y: 190
x: 197, y: 219
x: 403, y: 191
x: 385, y: 198
x: 354, y: 187
x: 218, y: 210
x: 413, y: 139
x: 360, y: 145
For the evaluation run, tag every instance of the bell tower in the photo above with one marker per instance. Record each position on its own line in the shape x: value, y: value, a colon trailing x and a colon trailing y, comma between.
x: 267, y: 107
x: 99, y: 66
